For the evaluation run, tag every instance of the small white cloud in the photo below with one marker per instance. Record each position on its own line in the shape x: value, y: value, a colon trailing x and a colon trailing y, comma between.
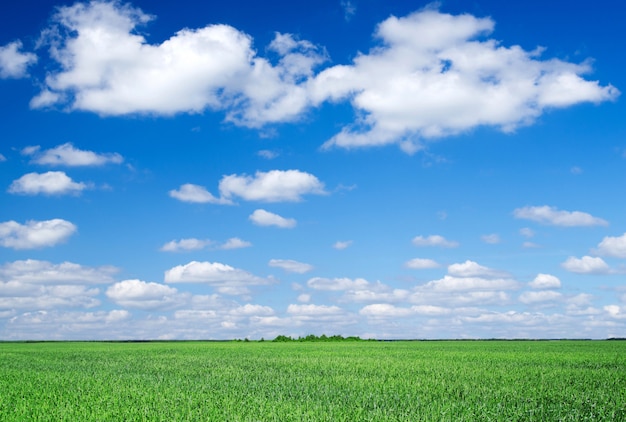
x: 586, y: 265
x: 304, y: 298
x: 191, y: 244
x: 226, y: 279
x: 313, y: 310
x: 271, y: 186
x: 421, y: 264
x: 529, y: 298
x: 145, y: 295
x: 530, y: 245
x: 473, y: 269
x: 49, y: 183
x: 14, y: 63
x: 336, y: 284
x: 196, y: 194
x: 267, y: 154
x: 35, y: 234
x: 613, y: 246
x: 235, y: 243
x: 576, y: 170
x: 342, y: 244
x: 68, y: 155
x: 291, y: 265
x: 349, y: 9
x: 261, y: 217
x: 552, y: 216
x: 33, y: 271
x: 526, y: 232
x: 454, y: 284
x: 434, y: 240
x: 2, y: 158
x: 545, y: 281
x: 491, y: 238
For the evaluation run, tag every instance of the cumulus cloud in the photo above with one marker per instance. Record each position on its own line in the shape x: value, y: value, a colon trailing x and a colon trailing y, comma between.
x: 434, y: 240
x: 68, y: 155
x: 33, y: 271
x: 271, y: 186
x: 13, y: 62
x: 457, y: 284
x: 336, y: 284
x: 35, y: 234
x: 198, y: 194
x: 436, y: 74
x: 613, y: 246
x: 529, y: 298
x: 421, y: 264
x: 545, y: 281
x: 291, y: 266
x: 552, y: 216
x: 108, y: 68
x: 49, y: 183
x: 473, y: 269
x: 235, y: 243
x: 226, y: 279
x: 145, y: 295
x: 385, y: 310
x: 586, y: 265
x: 261, y: 217
x: 191, y: 244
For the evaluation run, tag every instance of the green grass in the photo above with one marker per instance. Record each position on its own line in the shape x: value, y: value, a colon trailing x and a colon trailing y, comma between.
x: 352, y: 381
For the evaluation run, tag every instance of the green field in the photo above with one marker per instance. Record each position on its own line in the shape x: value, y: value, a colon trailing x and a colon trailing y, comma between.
x: 334, y: 381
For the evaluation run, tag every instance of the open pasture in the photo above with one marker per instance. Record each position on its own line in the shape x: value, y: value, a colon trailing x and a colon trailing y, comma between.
x: 334, y: 381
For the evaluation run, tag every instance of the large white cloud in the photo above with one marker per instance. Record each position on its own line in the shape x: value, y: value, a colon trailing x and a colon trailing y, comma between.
x: 226, y: 279
x: 613, y: 246
x: 552, y: 216
x: 262, y: 217
x: 35, y: 234
x: 13, y: 62
x: 49, y: 183
x: 108, y: 68
x: 68, y: 155
x: 432, y: 75
x: 586, y: 265
x: 436, y: 74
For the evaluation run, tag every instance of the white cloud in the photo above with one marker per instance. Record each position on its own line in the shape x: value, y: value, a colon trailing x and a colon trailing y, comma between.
x: 552, y: 216
x: 545, y: 281
x: 268, y: 154
x: 304, y: 298
x: 191, y: 244
x: 235, y: 243
x: 32, y: 271
x: 421, y: 264
x: 336, y: 284
x: 613, y: 246
x: 384, y: 310
x: 2, y: 158
x: 586, y: 265
x: 539, y: 297
x: 271, y: 186
x: 291, y: 265
x: 342, y: 244
x: 314, y: 310
x: 68, y: 155
x: 198, y: 194
x: 349, y: 9
x: 14, y: 63
x: 456, y: 284
x: 49, y: 183
x: 261, y: 217
x: 145, y: 295
x: 108, y: 68
x: 226, y: 279
x: 434, y: 240
x: 35, y: 234
x: 491, y: 238
x: 526, y: 232
x: 436, y: 74
x: 473, y: 269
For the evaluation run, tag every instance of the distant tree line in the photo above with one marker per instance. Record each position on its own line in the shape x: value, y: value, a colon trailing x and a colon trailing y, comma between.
x: 313, y: 337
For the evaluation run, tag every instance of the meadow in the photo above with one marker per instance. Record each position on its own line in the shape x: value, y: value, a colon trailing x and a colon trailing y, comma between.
x: 314, y: 381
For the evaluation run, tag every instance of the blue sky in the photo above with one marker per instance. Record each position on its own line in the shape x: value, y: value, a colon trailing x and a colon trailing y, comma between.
x: 398, y: 169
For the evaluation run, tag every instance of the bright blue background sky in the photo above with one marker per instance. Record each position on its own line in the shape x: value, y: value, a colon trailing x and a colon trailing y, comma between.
x: 536, y: 213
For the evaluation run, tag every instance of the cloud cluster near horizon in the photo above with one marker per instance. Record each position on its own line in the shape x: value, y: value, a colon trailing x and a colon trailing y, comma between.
x: 431, y: 75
